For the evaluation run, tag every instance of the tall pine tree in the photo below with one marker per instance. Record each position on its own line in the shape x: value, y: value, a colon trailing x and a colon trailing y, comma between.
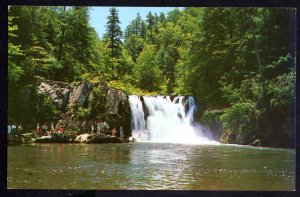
x: 114, y: 33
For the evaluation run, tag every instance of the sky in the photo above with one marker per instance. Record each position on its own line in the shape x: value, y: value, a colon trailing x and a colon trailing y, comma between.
x: 98, y: 15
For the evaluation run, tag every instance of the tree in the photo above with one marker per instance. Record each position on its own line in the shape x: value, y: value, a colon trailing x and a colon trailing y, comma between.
x: 14, y: 70
x: 14, y: 74
x: 150, y: 27
x: 147, y: 72
x: 168, y: 54
x: 134, y: 45
x: 114, y: 33
x: 173, y: 15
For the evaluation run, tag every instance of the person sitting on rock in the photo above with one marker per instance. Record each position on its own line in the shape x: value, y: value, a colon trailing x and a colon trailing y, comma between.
x: 113, y: 132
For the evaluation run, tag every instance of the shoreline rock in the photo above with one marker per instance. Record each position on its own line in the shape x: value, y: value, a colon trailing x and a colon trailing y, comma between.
x: 96, y: 139
x: 29, y: 138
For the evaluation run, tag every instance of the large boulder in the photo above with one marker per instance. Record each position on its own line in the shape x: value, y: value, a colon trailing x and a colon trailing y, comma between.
x: 83, y: 138
x: 96, y: 138
x: 115, y: 100
x: 228, y: 137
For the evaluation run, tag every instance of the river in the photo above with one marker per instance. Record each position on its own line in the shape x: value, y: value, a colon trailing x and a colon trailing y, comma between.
x: 149, y: 166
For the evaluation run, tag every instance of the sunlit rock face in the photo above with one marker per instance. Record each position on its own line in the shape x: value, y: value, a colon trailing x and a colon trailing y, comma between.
x: 58, y: 91
x: 107, y: 105
x: 80, y: 94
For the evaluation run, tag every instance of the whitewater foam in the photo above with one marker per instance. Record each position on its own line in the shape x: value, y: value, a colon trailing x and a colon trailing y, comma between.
x: 167, y: 121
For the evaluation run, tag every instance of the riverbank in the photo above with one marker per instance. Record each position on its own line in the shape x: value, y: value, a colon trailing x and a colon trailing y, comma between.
x: 32, y: 137
x: 85, y: 138
x: 233, y: 133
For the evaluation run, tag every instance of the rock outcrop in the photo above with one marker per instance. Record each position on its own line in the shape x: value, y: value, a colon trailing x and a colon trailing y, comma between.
x: 84, y: 104
x: 58, y: 91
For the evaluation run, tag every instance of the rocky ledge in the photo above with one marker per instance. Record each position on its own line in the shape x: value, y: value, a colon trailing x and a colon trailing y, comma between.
x: 86, y: 138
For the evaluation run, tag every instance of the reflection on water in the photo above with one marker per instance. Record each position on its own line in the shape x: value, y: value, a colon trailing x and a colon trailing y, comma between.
x: 150, y: 166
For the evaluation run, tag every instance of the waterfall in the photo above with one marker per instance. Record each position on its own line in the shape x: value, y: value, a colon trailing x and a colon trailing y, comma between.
x: 138, y: 120
x: 167, y: 121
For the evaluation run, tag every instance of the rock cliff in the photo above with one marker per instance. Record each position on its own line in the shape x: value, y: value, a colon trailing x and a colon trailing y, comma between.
x: 84, y: 104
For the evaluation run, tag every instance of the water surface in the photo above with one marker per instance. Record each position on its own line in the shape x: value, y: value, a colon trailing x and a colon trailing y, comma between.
x: 150, y: 166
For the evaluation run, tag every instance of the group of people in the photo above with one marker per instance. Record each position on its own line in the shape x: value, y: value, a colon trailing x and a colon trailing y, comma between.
x: 103, y: 128
x: 121, y: 132
x: 45, y: 130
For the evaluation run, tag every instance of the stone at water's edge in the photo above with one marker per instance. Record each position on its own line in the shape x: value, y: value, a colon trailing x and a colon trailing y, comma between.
x: 110, y: 106
x: 53, y: 139
x: 256, y: 142
x: 29, y: 138
x: 96, y: 138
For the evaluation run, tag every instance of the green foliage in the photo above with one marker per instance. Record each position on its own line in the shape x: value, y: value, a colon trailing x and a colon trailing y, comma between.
x: 134, y: 45
x: 237, y: 113
x: 42, y: 63
x: 84, y: 113
x: 210, y: 117
x: 14, y: 71
x: 240, y: 119
x: 45, y: 109
x: 281, y: 90
x: 130, y: 89
x: 147, y: 71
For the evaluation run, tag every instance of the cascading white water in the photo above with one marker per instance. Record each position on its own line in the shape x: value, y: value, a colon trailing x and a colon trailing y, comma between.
x: 138, y: 119
x: 168, y: 121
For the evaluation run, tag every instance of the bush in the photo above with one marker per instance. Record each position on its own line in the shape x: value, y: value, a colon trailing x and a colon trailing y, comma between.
x: 84, y: 113
x: 240, y: 119
x: 45, y: 108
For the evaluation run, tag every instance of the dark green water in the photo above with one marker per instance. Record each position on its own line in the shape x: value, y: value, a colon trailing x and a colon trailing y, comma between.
x: 150, y: 166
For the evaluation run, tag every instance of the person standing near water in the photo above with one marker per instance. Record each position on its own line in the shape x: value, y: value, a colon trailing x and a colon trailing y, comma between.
x: 98, y: 127
x: 121, y: 132
x: 60, y: 131
x: 113, y: 132
x: 52, y: 128
x: 38, y: 128
x: 92, y: 128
